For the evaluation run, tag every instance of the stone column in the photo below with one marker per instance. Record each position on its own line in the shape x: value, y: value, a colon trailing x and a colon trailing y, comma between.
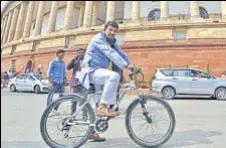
x: 2, y: 22
x: 68, y: 15
x: 135, y: 10
x: 13, y: 24
x: 223, y: 9
x: 3, y: 28
x: 6, y: 33
x: 87, y: 14
x: 110, y: 16
x: 164, y: 10
x: 52, y: 16
x: 28, y: 21
x: 194, y: 8
x: 81, y: 14
x: 39, y: 18
x: 95, y: 13
x: 20, y: 21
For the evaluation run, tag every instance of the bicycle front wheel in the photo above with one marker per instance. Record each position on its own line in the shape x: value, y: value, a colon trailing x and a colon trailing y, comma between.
x: 60, y: 130
x: 151, y: 126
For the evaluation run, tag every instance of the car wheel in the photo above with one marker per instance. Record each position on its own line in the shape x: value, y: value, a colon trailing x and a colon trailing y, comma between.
x: 13, y: 88
x: 37, y: 89
x: 220, y: 93
x: 168, y: 93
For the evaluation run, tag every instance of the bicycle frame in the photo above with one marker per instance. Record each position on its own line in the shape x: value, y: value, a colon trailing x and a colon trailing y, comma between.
x: 133, y: 87
x: 129, y: 86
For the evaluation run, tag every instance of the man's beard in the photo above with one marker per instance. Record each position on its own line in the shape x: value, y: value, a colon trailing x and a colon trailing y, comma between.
x: 111, y: 40
x: 111, y: 37
x: 81, y: 57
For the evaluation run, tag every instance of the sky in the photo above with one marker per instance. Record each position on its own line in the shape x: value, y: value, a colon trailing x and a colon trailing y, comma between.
x: 3, y: 4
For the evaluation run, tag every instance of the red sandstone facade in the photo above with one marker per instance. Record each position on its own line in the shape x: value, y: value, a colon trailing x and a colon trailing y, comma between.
x: 148, y: 55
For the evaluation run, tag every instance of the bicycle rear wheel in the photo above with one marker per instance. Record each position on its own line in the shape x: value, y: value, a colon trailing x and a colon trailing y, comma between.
x: 152, y: 127
x: 55, y: 129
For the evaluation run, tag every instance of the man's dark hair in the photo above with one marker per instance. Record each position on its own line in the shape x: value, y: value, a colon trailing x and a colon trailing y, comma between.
x: 60, y: 51
x: 111, y: 23
x: 80, y: 49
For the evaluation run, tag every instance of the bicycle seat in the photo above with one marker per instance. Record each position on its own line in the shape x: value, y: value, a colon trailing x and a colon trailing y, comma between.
x: 92, y: 88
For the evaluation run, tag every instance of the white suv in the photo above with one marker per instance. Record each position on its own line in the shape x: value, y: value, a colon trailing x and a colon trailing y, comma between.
x: 188, y: 81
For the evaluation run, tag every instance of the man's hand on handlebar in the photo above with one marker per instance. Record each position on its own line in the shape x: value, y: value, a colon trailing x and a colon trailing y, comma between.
x: 135, y: 71
x: 130, y: 67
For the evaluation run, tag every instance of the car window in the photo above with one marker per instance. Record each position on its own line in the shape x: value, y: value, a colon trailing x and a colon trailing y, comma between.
x: 20, y: 77
x: 199, y: 74
x: 38, y: 77
x: 167, y: 72
x: 30, y: 78
x: 204, y: 75
x: 181, y: 73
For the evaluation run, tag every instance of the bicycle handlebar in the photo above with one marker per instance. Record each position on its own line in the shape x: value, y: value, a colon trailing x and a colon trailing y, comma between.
x: 136, y: 71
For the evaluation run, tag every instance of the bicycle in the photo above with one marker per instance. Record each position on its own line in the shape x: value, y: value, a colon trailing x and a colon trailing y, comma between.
x: 159, y: 131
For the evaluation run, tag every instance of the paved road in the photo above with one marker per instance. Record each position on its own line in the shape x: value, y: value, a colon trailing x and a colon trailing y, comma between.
x: 200, y: 123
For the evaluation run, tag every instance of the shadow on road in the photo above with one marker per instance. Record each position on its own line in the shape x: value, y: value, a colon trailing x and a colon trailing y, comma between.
x: 23, y: 144
x: 179, y: 139
x: 192, y: 137
x: 196, y: 98
x: 124, y: 142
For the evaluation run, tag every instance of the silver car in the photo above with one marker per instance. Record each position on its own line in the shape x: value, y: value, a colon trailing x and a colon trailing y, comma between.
x: 28, y: 82
x: 188, y: 81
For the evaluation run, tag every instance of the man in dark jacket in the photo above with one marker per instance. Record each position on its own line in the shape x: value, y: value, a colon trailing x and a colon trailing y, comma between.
x: 5, y: 78
x: 75, y: 65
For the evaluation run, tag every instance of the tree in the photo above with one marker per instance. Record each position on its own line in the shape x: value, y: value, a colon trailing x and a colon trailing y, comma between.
x: 208, y: 68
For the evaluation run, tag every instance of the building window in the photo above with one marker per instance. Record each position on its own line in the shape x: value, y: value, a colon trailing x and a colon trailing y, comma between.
x: 32, y: 29
x: 60, y: 19
x: 70, y: 42
x: 75, y: 16
x: 120, y: 38
x: 203, y: 13
x: 36, y: 46
x: 180, y: 35
x: 45, y: 24
x: 154, y: 15
x: 13, y: 49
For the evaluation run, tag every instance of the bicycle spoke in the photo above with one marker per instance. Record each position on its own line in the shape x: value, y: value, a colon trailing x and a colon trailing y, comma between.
x: 151, y: 130
x: 77, y: 129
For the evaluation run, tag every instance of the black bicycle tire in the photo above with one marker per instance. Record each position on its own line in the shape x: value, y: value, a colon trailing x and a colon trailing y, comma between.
x: 44, y: 135
x: 130, y: 131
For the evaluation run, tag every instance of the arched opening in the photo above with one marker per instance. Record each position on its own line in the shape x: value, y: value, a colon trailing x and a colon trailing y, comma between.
x: 154, y: 15
x: 203, y: 13
x: 29, y: 65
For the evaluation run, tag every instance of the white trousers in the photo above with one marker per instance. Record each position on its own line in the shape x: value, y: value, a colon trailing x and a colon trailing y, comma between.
x: 110, y: 80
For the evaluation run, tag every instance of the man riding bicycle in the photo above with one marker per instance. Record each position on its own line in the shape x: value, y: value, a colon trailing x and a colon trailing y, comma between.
x: 100, y: 52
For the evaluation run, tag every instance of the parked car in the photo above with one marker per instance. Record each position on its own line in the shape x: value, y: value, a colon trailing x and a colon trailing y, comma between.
x: 28, y: 82
x: 188, y: 81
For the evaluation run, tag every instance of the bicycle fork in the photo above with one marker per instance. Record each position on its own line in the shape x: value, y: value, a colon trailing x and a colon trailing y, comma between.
x: 142, y: 101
